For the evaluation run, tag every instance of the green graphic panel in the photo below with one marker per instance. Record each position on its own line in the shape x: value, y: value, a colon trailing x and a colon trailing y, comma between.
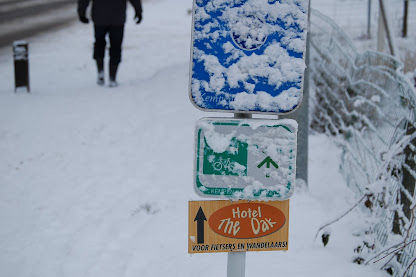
x: 233, y: 161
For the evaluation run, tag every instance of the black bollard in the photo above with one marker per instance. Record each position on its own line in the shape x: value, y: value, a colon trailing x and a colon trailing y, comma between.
x: 21, y: 64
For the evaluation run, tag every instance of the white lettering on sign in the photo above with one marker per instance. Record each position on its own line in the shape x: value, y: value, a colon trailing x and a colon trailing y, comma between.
x: 264, y: 224
x: 229, y: 226
x: 244, y: 214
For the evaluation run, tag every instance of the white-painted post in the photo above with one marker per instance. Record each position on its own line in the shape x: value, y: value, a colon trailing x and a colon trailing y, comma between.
x: 236, y: 264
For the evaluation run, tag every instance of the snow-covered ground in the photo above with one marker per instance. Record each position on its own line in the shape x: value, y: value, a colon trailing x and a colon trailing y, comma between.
x: 95, y: 181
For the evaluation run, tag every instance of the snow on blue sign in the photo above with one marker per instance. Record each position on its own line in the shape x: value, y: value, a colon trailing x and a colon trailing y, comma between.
x: 248, y: 55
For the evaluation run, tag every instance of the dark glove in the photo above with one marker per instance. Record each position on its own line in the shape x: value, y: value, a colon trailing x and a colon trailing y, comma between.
x: 138, y: 18
x: 83, y: 19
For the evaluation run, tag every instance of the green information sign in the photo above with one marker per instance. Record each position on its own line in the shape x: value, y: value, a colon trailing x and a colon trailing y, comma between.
x: 245, y: 158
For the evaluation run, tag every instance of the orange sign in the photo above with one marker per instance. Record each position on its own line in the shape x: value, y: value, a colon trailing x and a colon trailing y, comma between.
x: 247, y: 220
x: 238, y: 226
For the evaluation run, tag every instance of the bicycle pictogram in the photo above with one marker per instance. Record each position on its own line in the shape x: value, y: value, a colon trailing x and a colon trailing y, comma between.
x: 225, y: 164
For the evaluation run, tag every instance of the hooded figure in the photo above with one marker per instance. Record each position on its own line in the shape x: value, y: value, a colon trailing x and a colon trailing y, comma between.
x: 109, y: 17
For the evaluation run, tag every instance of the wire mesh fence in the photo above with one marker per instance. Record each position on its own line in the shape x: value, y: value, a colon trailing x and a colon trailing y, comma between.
x: 365, y: 101
x: 359, y: 19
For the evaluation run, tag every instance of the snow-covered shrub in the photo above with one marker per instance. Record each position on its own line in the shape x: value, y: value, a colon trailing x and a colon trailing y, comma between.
x: 364, y: 101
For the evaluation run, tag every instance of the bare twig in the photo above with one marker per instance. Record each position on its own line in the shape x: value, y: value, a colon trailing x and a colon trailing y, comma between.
x: 398, y: 247
x: 408, y: 268
x: 344, y: 214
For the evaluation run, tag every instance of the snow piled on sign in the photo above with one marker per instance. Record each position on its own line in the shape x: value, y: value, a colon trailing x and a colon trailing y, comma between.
x: 251, y: 54
x: 217, y: 141
x: 246, y: 159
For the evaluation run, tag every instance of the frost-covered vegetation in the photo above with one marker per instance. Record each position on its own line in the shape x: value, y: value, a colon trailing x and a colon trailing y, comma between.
x: 366, y: 103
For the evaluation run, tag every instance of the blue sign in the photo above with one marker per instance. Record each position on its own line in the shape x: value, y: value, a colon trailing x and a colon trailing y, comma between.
x: 248, y: 55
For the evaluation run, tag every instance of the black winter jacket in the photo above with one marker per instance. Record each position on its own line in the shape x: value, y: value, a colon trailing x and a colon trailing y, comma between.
x: 108, y: 12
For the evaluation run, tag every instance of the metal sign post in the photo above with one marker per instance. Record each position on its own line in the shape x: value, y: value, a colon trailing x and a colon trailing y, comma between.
x: 301, y: 116
x: 236, y: 261
x: 246, y: 57
x: 236, y: 264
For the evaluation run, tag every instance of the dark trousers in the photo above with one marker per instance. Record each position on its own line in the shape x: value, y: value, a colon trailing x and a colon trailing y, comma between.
x: 115, y: 34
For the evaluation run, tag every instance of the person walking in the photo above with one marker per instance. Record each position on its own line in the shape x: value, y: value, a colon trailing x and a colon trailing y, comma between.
x: 109, y: 17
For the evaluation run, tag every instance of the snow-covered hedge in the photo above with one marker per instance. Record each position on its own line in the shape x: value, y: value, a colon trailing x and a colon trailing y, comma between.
x: 366, y: 103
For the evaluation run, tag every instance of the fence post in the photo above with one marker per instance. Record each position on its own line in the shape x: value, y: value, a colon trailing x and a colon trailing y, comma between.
x: 406, y: 11
x: 381, y: 32
x: 386, y: 30
x: 408, y: 181
x: 369, y: 20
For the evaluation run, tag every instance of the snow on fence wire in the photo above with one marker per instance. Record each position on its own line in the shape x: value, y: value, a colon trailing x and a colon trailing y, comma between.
x: 366, y: 103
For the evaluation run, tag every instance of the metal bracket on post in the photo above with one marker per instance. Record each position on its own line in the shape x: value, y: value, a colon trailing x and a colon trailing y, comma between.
x: 242, y: 115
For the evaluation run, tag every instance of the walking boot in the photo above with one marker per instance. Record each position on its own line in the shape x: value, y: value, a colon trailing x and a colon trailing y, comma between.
x: 113, y: 73
x: 100, y: 69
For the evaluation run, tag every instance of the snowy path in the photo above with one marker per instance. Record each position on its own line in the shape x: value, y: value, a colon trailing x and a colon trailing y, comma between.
x: 96, y: 181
